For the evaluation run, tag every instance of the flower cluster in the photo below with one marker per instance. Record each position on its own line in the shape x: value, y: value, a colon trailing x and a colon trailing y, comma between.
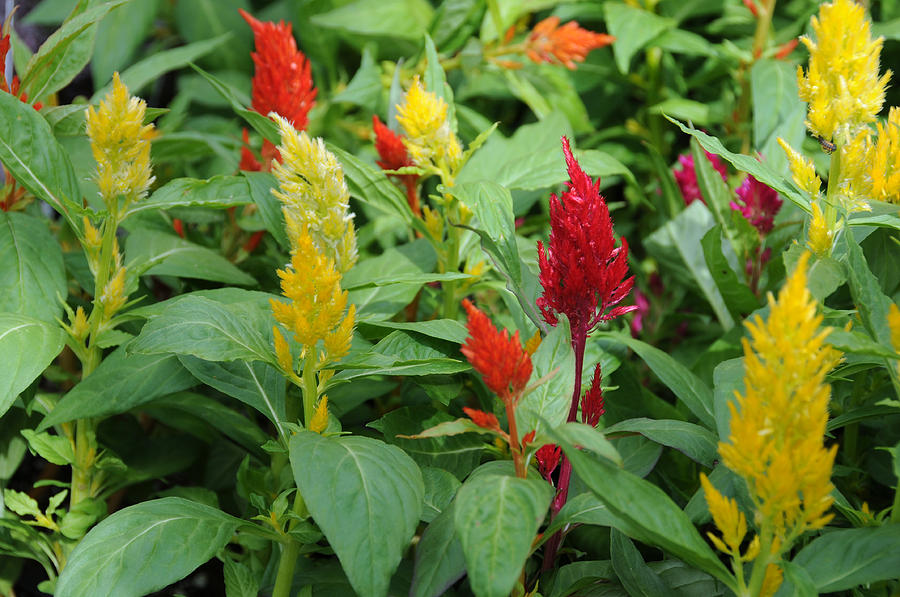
x: 759, y: 203
x: 314, y: 196
x: 548, y: 42
x: 120, y: 142
x: 394, y: 155
x: 777, y: 427
x: 686, y: 177
x: 582, y: 270
x: 431, y: 142
x: 884, y: 159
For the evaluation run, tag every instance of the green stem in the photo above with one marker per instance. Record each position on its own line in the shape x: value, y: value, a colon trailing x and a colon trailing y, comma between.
x: 655, y: 121
x: 451, y: 305
x: 895, y: 510
x: 762, y: 561
x: 310, y: 388
x: 831, y: 195
x: 285, y: 576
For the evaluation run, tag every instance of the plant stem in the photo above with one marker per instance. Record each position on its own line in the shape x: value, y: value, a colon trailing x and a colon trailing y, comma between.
x: 834, y: 179
x: 514, y: 446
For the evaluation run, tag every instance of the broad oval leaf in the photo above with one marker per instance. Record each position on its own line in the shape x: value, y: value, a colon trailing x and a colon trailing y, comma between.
x: 28, y: 346
x: 366, y: 496
x: 844, y: 559
x: 33, y: 276
x: 152, y: 252
x: 496, y: 520
x: 145, y: 547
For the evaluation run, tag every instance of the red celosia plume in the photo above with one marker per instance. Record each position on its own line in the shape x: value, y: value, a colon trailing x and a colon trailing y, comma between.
x: 282, y: 82
x: 592, y: 401
x: 499, y: 358
x: 582, y: 270
x: 394, y: 156
x: 566, y: 45
x: 547, y: 459
x: 483, y: 419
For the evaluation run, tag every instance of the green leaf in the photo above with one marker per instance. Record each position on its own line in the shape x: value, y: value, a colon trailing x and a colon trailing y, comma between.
x: 496, y: 520
x: 52, y: 448
x: 217, y: 192
x: 65, y: 53
x: 206, y: 329
x: 383, y: 302
x: 584, y: 508
x: 637, y: 578
x: 29, y: 346
x: 261, y: 124
x: 124, y: 555
x: 366, y: 496
x: 256, y: 384
x: 736, y: 294
x: 728, y: 377
x: 843, y: 559
x: 436, y: 81
x: 677, y: 244
x: 403, y: 353
x: 398, y: 19
x: 36, y: 160
x: 21, y: 503
x: 119, y: 36
x: 696, y: 442
x: 120, y: 383
x: 644, y: 512
x: 151, y: 252
x: 685, y: 109
x: 633, y: 29
x: 200, y: 20
x: 150, y: 69
x: 365, y: 88
x: 440, y: 488
x: 760, y: 170
x: 443, y: 329
x: 689, y: 388
x: 439, y: 557
x: 491, y: 204
x: 549, y: 403
x: 591, y: 439
x: 260, y: 185
x: 778, y: 111
x: 33, y: 278
x: 239, y: 579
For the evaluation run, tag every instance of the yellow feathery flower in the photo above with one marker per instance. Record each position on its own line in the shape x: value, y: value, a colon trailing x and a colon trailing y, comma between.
x: 819, y: 236
x: 433, y: 223
x: 113, y: 296
x: 885, y: 159
x: 802, y: 170
x: 778, y: 424
x: 855, y: 186
x: 80, y: 327
x: 429, y: 140
x: 337, y: 342
x: 320, y: 417
x: 121, y: 145
x: 841, y: 85
x: 728, y: 518
x: 314, y: 195
x: 772, y: 581
x: 317, y: 303
x: 282, y: 350
x: 533, y: 343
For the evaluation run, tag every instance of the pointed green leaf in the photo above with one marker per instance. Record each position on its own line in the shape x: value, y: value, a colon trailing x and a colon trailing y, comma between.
x: 217, y: 192
x: 637, y: 578
x: 28, y: 346
x: 439, y: 557
x: 152, y: 252
x: 843, y: 559
x: 550, y: 401
x: 33, y: 278
x: 696, y: 442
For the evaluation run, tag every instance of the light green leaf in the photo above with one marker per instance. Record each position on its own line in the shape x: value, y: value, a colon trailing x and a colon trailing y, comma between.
x: 843, y: 559
x: 491, y: 203
x: 123, y: 555
x: 403, y: 19
x: 549, y: 403
x: 366, y: 496
x: 52, y: 448
x: 217, y: 192
x: 496, y: 520
x: 152, y: 252
x: 633, y: 29
x: 777, y: 110
x: 119, y: 36
x: 202, y: 20
x: 443, y: 329
x: 28, y: 346
x: 33, y: 278
x: 696, y: 442
x: 120, y: 383
x: 440, y: 488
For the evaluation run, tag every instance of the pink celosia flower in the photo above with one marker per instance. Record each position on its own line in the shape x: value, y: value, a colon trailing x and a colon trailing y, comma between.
x: 687, y: 176
x: 759, y: 203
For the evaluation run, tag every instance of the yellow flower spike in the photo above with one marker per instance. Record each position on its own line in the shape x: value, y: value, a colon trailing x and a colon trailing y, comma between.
x: 777, y: 425
x: 820, y: 237
x: 841, y: 85
x: 120, y: 143
x: 433, y: 223
x: 80, y: 326
x: 885, y: 159
x: 317, y: 304
x: 730, y: 521
x: 429, y: 140
x: 772, y: 581
x: 113, y: 296
x: 337, y: 342
x: 533, y: 343
x: 802, y: 170
x: 894, y: 325
x: 855, y: 186
x: 319, y: 420
x: 314, y: 195
x: 282, y: 350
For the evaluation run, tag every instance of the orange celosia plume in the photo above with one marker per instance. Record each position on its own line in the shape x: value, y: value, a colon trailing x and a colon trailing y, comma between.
x: 566, y: 45
x: 501, y: 360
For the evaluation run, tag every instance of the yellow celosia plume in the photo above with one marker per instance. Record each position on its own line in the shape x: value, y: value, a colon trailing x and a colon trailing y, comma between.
x: 429, y: 139
x: 820, y: 237
x: 802, y: 170
x: 120, y: 142
x: 314, y: 196
x: 320, y: 416
x: 884, y: 159
x: 778, y: 423
x: 842, y: 84
x: 317, y: 304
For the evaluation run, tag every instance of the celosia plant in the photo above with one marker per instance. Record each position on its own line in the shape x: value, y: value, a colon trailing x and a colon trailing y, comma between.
x: 686, y: 177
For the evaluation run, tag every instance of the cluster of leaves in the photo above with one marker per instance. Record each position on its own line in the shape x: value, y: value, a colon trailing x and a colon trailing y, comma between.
x: 175, y: 413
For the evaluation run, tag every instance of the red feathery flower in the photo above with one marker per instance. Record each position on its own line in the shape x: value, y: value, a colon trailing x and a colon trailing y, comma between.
x: 501, y: 360
x: 282, y: 82
x: 759, y: 203
x: 582, y: 269
x: 547, y: 459
x: 592, y: 402
x: 483, y: 419
x: 394, y: 156
x: 687, y: 176
x: 566, y: 45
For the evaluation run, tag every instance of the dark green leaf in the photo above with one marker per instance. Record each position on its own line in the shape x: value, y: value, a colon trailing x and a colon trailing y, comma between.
x: 696, y: 442
x: 633, y: 29
x: 29, y: 346
x: 119, y: 36
x: 33, y: 278
x: 201, y: 20
x: 736, y: 294
x: 843, y: 559
x: 440, y: 488
x: 638, y: 579
x: 261, y: 184
x: 439, y: 557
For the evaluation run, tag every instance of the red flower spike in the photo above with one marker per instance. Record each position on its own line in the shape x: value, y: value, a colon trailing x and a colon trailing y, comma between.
x: 582, y: 270
x: 547, y: 460
x: 592, y: 402
x: 282, y: 82
x: 566, y: 45
x: 501, y: 360
x: 249, y: 163
x: 687, y: 176
x: 482, y: 419
x: 529, y: 437
x: 759, y: 203
x: 394, y: 156
x: 786, y: 48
